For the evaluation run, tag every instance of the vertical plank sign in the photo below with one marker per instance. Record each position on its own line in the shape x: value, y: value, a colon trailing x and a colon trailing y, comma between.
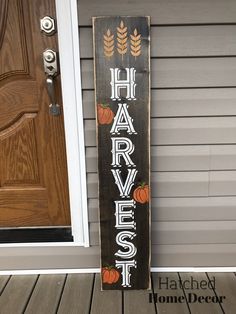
x: 122, y: 83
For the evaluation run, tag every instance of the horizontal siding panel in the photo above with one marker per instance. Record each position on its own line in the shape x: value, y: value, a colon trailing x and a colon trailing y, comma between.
x: 165, y: 131
x: 49, y: 258
x: 214, y: 130
x: 91, y: 159
x: 199, y: 209
x: 184, y: 209
x: 166, y: 184
x: 94, y: 234
x: 90, y: 133
x: 196, y: 255
x: 181, y: 103
x: 162, y: 11
x: 193, y: 102
x: 222, y: 183
x: 180, y: 158
x: 223, y: 157
x: 194, y: 232
x: 93, y: 211
x: 185, y: 255
x: 88, y: 104
x: 167, y: 158
x: 180, y: 41
x: 173, y: 184
x: 182, y: 72
x: 182, y: 184
x: 92, y: 185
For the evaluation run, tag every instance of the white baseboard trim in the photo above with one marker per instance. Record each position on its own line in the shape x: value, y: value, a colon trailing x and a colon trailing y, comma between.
x: 97, y: 270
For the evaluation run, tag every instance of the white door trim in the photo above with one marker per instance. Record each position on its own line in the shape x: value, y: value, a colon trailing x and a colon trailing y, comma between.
x: 68, y: 40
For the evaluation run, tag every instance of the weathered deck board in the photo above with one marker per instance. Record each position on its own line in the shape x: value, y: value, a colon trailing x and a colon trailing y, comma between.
x: 105, y: 302
x: 3, y: 282
x: 16, y: 294
x: 225, y: 286
x: 197, y: 307
x: 77, y: 294
x: 46, y: 295
x: 160, y: 289
x: 137, y: 302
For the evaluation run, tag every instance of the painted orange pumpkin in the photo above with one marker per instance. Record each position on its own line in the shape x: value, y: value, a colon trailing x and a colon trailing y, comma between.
x: 110, y: 275
x: 141, y: 193
x: 105, y: 114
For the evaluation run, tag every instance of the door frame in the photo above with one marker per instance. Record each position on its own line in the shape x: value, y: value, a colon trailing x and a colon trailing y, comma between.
x: 68, y: 42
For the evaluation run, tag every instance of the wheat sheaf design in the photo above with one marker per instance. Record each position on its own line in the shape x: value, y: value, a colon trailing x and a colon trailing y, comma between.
x: 122, y: 45
x: 135, y: 44
x: 108, y: 41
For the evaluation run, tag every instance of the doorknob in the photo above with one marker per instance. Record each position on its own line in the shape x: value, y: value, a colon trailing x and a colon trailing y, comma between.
x: 51, y: 70
x: 50, y: 62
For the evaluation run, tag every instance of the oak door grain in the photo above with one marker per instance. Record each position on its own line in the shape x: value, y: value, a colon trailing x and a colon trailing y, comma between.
x: 33, y: 172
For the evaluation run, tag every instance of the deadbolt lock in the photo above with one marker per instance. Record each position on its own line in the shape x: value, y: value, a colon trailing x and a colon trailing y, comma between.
x: 48, y: 25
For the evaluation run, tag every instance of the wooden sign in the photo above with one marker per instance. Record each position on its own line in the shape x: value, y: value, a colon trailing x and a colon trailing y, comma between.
x: 122, y: 83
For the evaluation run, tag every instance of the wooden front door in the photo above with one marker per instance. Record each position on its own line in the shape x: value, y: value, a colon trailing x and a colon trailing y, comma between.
x: 33, y: 169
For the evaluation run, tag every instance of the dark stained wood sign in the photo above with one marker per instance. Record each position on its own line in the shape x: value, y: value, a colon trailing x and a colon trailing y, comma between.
x: 122, y: 82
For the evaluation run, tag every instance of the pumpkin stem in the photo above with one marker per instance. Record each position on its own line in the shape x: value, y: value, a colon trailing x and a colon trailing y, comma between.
x: 111, y: 267
x: 104, y: 105
x: 142, y: 184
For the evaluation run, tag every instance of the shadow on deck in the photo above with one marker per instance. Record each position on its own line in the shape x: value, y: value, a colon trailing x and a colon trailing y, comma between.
x: 80, y: 294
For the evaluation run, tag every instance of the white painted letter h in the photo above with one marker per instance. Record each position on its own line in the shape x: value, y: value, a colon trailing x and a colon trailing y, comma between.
x: 117, y: 84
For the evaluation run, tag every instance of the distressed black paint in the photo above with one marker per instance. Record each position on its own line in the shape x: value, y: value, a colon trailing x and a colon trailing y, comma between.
x: 123, y: 42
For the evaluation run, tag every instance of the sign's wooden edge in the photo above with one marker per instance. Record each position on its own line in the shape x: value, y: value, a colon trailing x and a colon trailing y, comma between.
x: 149, y: 144
x: 96, y: 119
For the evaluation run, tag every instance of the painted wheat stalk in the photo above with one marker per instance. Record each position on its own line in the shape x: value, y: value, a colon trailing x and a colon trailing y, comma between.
x: 108, y: 41
x: 135, y: 44
x: 122, y: 39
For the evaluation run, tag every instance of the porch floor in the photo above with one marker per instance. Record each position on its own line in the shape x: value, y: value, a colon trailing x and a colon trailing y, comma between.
x: 80, y: 294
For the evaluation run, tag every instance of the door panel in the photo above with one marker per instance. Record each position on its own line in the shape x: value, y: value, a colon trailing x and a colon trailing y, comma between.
x: 33, y: 169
